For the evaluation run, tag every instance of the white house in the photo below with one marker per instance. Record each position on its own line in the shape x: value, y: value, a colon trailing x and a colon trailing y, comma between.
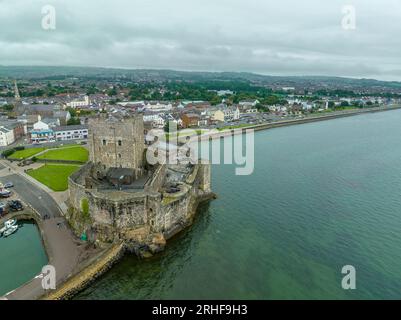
x: 6, y: 136
x: 278, y: 108
x: 158, y: 106
x: 79, y: 103
x: 250, y: 103
x: 228, y: 114
x: 156, y: 119
x: 40, y: 125
x: 225, y: 93
x: 306, y: 106
x: 231, y: 114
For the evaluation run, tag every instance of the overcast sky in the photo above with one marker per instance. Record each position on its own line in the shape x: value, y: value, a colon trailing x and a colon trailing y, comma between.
x: 281, y: 37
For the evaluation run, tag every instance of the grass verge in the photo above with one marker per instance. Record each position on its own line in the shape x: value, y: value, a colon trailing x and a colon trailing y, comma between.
x: 54, y: 176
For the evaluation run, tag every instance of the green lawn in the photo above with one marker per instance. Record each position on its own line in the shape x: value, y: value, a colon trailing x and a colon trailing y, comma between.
x: 27, y: 153
x: 54, y: 176
x: 69, y: 154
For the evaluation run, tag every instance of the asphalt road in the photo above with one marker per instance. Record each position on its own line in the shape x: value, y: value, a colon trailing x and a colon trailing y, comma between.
x: 33, y: 195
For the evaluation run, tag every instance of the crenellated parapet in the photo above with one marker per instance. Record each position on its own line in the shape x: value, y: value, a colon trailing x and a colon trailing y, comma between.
x: 113, y: 199
x: 143, y: 218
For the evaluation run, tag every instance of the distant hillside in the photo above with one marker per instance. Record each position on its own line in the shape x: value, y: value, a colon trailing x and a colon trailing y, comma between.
x: 170, y: 75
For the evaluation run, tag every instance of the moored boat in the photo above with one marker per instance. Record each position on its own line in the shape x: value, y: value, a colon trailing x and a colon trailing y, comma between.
x: 8, y: 225
x: 10, y: 231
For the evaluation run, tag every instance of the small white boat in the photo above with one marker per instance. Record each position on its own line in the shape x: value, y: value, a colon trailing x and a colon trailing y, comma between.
x: 10, y: 231
x: 7, y: 225
x: 10, y: 223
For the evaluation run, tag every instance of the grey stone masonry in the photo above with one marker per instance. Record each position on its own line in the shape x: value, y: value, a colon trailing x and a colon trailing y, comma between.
x: 117, y: 142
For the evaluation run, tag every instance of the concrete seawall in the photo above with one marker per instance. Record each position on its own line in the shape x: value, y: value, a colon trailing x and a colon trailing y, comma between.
x: 321, y: 118
x: 95, y: 269
x: 285, y: 123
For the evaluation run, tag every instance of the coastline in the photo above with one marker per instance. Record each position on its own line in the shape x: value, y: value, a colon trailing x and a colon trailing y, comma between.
x: 92, y: 268
x: 29, y: 214
x: 285, y: 123
x: 331, y: 116
x: 99, y: 261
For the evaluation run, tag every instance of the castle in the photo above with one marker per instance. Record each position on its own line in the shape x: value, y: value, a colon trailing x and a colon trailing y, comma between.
x: 119, y: 197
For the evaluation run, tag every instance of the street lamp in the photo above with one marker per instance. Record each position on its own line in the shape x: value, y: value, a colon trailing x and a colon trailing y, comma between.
x: 119, y: 182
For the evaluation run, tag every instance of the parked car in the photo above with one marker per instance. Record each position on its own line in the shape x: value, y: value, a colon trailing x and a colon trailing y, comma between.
x: 5, y: 193
x: 2, y: 206
x: 24, y: 163
x: 15, y: 205
x: 8, y: 185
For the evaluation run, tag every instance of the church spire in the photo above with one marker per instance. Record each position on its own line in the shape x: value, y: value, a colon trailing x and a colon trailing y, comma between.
x: 16, y: 92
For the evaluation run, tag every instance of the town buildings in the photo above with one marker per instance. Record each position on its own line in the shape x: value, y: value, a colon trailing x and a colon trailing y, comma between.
x: 11, y: 131
x: 44, y: 132
x: 190, y: 120
x: 85, y: 102
x: 75, y: 132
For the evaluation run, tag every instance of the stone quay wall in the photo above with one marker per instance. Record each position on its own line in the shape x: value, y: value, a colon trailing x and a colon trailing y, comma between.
x: 87, y: 276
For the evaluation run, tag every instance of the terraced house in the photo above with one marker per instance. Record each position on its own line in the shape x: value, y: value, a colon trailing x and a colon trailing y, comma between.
x: 42, y: 133
x: 77, y: 132
x: 10, y: 132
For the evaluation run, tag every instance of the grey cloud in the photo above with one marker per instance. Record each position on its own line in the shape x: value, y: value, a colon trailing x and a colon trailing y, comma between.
x: 263, y: 36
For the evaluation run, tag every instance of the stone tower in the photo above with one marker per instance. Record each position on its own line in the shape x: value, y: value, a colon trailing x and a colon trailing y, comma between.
x: 117, y: 142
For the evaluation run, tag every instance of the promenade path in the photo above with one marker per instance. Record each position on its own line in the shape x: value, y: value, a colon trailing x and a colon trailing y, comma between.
x: 64, y: 250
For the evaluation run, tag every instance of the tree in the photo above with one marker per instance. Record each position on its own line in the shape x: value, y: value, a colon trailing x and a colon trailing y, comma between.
x: 73, y: 121
x: 112, y: 92
x: 8, y: 107
x: 72, y: 112
x: 261, y: 108
x: 271, y: 100
x: 215, y: 100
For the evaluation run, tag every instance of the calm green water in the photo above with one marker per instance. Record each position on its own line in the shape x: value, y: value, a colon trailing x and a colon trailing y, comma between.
x: 323, y: 195
x: 21, y: 257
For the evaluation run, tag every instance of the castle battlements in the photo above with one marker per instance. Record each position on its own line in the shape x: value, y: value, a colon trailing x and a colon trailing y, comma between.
x: 118, y: 197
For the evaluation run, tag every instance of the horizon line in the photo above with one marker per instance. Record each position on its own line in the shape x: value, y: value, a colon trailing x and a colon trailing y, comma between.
x: 197, y: 71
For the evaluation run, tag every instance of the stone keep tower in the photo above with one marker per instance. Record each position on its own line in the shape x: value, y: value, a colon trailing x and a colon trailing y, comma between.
x: 117, y: 142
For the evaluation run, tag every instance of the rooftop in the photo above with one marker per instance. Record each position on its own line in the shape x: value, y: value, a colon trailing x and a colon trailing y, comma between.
x: 70, y: 128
